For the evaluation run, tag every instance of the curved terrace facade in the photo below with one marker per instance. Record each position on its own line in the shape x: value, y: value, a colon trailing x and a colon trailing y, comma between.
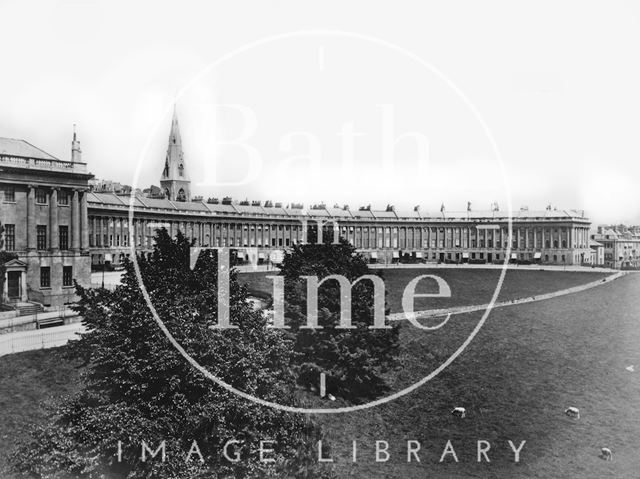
x: 59, y: 228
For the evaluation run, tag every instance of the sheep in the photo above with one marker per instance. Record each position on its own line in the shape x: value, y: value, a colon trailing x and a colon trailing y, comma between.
x: 606, y: 454
x: 572, y: 412
x: 459, y: 412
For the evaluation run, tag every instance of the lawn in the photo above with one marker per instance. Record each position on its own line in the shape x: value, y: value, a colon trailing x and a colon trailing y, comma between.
x: 28, y: 383
x: 525, y: 367
x: 468, y: 286
x: 527, y: 364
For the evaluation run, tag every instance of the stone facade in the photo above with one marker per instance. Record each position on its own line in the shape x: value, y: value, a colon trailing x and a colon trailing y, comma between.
x: 551, y: 237
x: 620, y: 246
x: 44, y: 213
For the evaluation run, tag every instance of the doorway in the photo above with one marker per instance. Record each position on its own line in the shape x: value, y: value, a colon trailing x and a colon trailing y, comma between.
x: 13, y: 284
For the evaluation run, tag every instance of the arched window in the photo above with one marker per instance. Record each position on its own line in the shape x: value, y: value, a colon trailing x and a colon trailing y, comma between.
x: 181, y: 196
x: 555, y: 243
x: 181, y: 170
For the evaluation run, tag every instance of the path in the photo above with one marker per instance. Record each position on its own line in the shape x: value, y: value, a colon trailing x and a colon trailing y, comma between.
x: 39, y: 338
x: 431, y: 313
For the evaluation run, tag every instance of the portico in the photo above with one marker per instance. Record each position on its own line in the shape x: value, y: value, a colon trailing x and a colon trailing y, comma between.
x: 15, y: 284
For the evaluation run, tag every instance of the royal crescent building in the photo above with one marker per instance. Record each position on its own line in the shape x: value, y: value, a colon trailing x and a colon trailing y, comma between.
x: 60, y: 229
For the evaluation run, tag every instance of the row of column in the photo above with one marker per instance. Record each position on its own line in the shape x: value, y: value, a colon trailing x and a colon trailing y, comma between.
x: 79, y: 230
x: 372, y: 236
x: 465, y: 237
x: 106, y: 230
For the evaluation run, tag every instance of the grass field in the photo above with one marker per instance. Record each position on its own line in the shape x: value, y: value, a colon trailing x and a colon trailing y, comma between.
x: 524, y: 368
x: 468, y: 286
x: 28, y: 383
x: 526, y: 365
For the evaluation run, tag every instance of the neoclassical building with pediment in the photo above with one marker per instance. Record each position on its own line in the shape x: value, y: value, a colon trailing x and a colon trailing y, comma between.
x: 44, y: 212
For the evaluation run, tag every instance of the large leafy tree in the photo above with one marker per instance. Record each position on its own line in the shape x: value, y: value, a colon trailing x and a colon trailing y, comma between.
x: 352, y: 360
x: 137, y: 387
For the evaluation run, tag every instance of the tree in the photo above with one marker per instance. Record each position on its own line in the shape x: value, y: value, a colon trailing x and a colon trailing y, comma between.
x: 351, y: 359
x: 137, y: 387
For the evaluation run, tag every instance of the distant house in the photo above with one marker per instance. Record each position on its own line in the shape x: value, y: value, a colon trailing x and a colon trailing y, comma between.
x: 621, y: 245
x: 597, y: 253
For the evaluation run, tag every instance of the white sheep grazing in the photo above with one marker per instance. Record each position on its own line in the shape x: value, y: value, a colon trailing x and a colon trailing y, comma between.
x: 573, y: 412
x: 606, y: 454
x: 459, y: 412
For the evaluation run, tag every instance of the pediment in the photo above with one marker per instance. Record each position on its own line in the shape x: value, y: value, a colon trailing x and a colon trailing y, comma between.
x: 15, y: 263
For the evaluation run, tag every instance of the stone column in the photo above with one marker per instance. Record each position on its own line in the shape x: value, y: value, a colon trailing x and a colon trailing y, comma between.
x: 84, y: 222
x: 23, y: 286
x: 75, y: 221
x: 31, y: 218
x: 109, y: 231
x: 122, y: 234
x: 54, y: 237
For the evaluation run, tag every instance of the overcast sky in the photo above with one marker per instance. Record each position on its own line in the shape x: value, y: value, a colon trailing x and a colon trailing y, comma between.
x: 556, y: 85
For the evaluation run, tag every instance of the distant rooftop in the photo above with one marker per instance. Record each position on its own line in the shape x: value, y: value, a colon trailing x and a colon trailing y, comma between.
x: 108, y: 199
x: 23, y: 149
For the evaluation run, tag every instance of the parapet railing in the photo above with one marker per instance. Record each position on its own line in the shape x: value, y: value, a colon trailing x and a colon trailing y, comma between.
x: 42, y: 164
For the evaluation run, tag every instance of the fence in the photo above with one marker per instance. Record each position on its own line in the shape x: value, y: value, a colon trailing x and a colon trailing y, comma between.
x: 39, y: 338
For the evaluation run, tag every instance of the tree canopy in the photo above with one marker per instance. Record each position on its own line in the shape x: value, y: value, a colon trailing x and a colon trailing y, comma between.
x: 137, y: 387
x: 352, y: 360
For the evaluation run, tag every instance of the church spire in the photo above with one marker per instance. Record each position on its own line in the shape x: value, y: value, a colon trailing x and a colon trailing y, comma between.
x: 174, y: 136
x: 174, y: 180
